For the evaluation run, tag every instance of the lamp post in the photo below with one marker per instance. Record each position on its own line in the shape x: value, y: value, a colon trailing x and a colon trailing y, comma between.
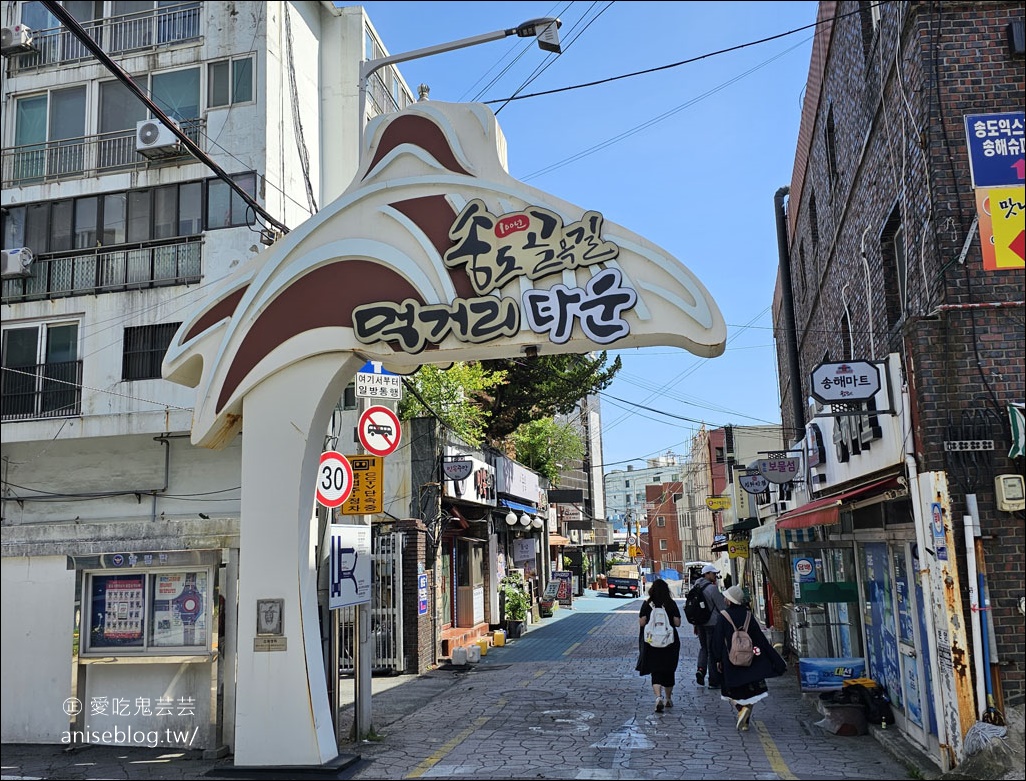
x: 545, y: 29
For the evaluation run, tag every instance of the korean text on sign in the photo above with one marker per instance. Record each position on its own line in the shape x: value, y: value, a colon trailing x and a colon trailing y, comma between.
x: 379, y: 386
x: 366, y: 498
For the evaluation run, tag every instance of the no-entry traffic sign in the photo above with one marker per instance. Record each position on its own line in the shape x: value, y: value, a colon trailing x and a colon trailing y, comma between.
x: 379, y: 431
x: 334, y: 479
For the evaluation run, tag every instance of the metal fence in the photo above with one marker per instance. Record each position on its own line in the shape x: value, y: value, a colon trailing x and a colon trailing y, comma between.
x: 115, y: 35
x: 73, y: 158
x: 387, y: 652
x: 46, y: 390
x: 103, y: 270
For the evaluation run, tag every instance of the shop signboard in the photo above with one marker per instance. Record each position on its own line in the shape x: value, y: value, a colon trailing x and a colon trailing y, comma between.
x: 469, y: 479
x: 422, y: 594
x: 829, y: 674
x: 779, y: 469
x: 995, y: 144
x: 716, y: 503
x: 565, y: 593
x: 753, y: 483
x: 737, y: 549
x: 845, y: 382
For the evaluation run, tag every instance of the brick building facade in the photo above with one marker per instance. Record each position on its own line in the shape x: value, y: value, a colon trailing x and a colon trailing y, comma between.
x: 883, y: 257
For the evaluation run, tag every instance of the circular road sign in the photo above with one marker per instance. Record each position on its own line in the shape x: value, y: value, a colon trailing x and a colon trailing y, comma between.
x: 632, y: 540
x: 334, y: 479
x: 379, y: 431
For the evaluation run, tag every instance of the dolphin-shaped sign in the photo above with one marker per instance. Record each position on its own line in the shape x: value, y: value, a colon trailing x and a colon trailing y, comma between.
x: 433, y: 254
x: 436, y: 254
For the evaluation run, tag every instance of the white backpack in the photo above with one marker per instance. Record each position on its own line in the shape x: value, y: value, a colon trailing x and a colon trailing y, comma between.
x: 658, y: 630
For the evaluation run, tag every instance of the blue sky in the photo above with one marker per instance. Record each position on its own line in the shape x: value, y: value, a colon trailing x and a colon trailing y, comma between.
x: 689, y: 157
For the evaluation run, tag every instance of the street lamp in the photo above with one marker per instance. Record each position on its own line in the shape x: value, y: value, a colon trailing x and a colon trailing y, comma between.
x: 545, y: 29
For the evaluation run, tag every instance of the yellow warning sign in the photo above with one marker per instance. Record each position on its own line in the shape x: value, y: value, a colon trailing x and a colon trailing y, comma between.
x: 368, y: 478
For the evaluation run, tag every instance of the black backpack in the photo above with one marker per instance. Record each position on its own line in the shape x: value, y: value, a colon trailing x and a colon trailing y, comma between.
x: 696, y: 608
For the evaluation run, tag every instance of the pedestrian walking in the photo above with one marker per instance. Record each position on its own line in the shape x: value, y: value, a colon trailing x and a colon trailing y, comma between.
x: 714, y: 599
x: 743, y: 686
x: 660, y: 663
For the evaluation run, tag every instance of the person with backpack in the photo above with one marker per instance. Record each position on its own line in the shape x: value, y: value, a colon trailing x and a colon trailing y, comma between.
x: 702, y: 606
x: 744, y: 657
x: 659, y: 642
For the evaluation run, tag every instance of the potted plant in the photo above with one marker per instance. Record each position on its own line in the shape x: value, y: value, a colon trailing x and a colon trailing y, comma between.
x: 515, y: 604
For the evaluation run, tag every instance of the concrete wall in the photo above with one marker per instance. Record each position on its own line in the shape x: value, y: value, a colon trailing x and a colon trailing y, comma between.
x: 36, y: 662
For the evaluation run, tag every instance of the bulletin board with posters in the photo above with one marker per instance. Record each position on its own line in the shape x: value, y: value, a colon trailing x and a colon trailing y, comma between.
x: 141, y: 608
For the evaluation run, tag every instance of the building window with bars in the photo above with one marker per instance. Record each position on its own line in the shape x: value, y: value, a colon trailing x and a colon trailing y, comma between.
x: 145, y: 347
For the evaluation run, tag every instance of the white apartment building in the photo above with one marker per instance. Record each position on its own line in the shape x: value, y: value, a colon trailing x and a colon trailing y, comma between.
x: 625, y: 491
x: 120, y: 539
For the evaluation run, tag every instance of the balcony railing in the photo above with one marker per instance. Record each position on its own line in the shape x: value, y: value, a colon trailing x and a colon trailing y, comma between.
x: 48, y: 390
x: 115, y: 35
x: 75, y: 158
x: 107, y: 270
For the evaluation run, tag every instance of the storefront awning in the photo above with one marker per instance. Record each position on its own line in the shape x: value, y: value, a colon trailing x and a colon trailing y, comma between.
x: 827, y: 511
x: 745, y: 524
x: 769, y: 536
x: 524, y: 508
x: 764, y: 536
x: 558, y: 540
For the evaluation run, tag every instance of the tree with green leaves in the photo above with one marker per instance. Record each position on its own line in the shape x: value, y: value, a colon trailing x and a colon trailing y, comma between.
x: 455, y: 394
x: 542, y: 387
x: 547, y: 447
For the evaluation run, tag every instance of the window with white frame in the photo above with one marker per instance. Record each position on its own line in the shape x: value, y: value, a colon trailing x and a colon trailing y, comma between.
x: 660, y: 520
x: 230, y: 82
x: 41, y: 370
x: 664, y: 545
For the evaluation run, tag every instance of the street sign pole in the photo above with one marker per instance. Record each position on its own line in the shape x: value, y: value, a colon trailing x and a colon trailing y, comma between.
x: 362, y: 636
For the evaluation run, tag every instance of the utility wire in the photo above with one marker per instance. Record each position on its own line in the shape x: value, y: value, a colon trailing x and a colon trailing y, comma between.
x: 676, y: 64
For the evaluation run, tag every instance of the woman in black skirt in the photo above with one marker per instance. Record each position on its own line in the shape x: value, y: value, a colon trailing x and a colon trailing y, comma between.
x: 660, y: 663
x: 743, y: 686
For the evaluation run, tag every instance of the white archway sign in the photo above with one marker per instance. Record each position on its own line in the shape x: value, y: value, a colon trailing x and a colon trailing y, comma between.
x: 434, y: 254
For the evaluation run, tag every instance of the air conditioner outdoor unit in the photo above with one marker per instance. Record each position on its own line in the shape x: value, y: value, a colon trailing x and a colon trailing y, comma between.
x: 154, y: 139
x: 16, y: 262
x: 15, y: 40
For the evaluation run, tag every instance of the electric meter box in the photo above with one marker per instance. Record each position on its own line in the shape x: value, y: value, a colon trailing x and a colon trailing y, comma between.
x: 1011, y: 493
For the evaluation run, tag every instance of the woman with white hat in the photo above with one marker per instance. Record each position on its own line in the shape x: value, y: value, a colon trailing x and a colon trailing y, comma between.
x: 743, y: 686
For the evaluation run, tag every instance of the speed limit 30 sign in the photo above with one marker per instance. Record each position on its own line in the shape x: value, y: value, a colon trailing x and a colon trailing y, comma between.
x: 334, y: 479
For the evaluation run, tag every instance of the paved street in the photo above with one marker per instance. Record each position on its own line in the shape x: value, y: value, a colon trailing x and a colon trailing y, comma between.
x: 564, y: 702
x: 561, y: 702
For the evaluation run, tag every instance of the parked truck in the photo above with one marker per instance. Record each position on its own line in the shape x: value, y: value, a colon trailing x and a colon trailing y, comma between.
x: 624, y: 579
